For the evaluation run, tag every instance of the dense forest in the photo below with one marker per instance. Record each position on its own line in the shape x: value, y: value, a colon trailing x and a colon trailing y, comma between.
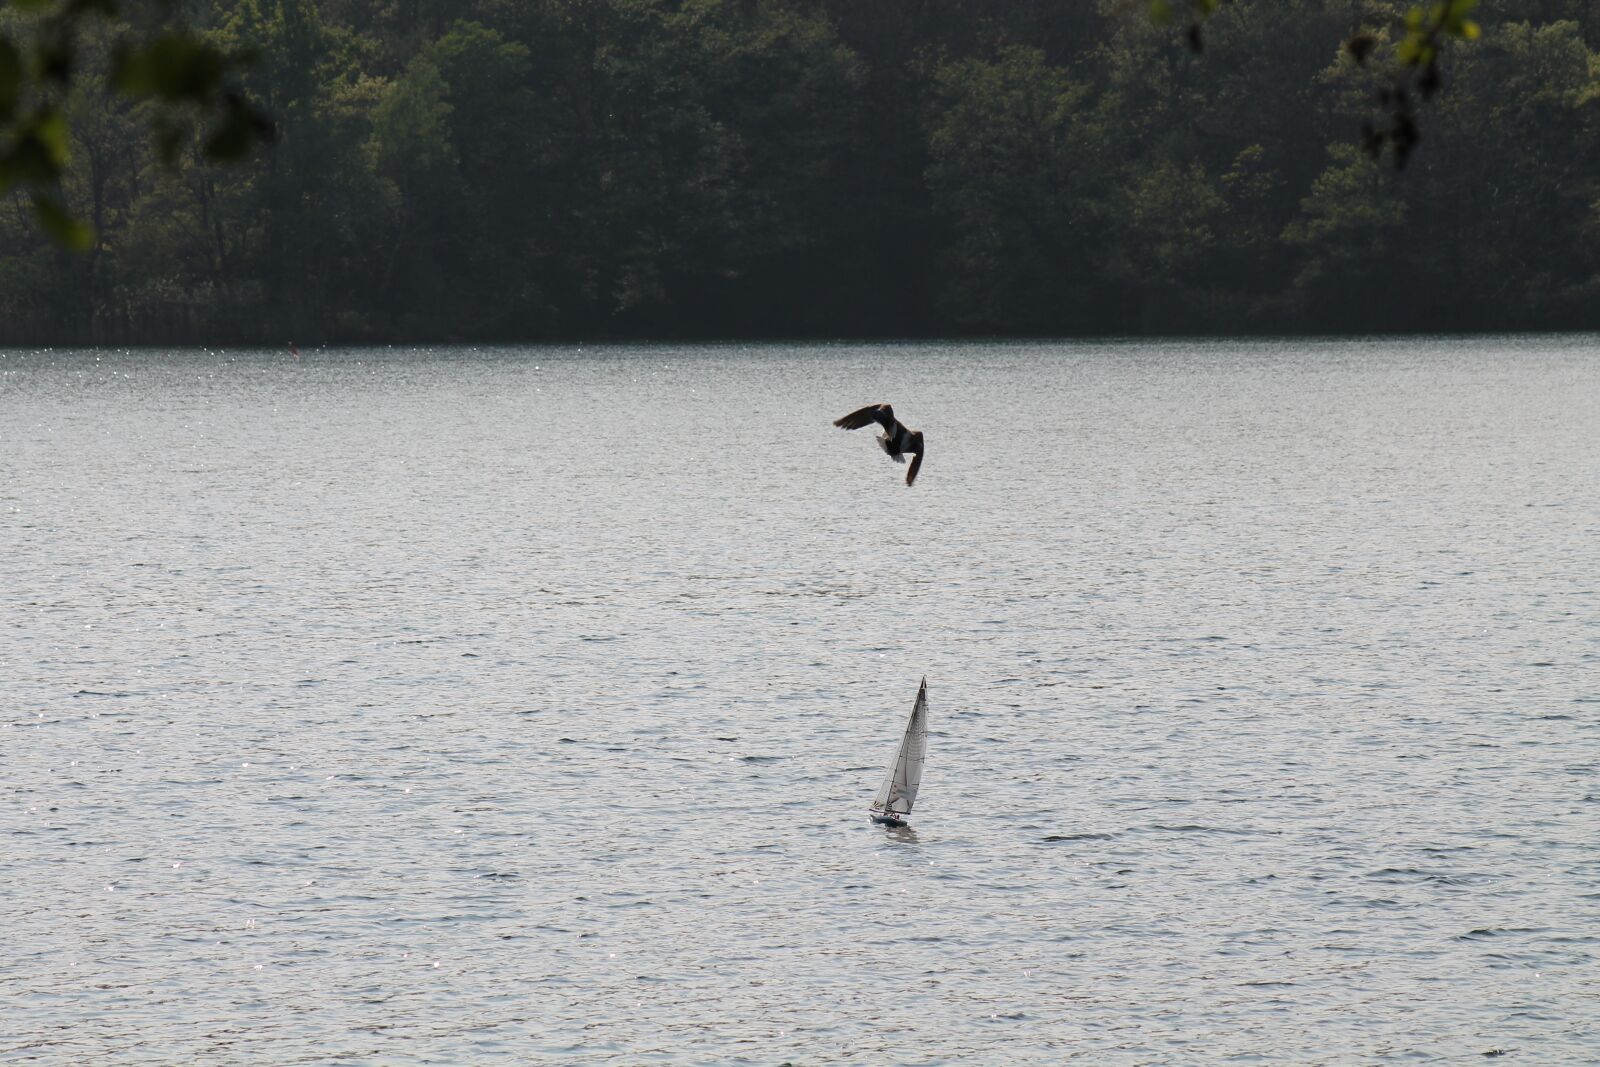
x: 542, y: 169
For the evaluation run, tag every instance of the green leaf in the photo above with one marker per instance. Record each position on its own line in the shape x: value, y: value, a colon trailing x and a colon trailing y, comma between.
x: 1360, y: 47
x: 55, y: 59
x: 37, y: 155
x: 10, y: 79
x: 59, y: 224
x: 1160, y: 12
x: 175, y: 67
x: 240, y: 127
x: 230, y: 140
x: 50, y: 129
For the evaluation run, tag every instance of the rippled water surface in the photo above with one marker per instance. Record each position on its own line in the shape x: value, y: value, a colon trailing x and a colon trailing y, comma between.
x: 455, y: 706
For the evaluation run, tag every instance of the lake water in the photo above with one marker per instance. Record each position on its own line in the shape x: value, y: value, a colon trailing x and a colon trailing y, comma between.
x: 524, y: 705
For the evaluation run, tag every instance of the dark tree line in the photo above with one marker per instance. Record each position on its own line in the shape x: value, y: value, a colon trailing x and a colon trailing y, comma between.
x: 533, y: 169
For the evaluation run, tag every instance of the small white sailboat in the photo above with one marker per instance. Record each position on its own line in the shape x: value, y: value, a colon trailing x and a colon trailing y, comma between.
x: 899, y: 790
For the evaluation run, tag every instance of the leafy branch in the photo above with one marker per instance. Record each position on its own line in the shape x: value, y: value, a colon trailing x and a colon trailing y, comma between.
x: 1412, y: 70
x: 1416, y: 72
x: 192, y: 81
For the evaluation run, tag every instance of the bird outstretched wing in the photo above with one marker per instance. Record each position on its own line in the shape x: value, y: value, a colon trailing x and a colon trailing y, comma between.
x: 882, y: 414
x: 916, y: 465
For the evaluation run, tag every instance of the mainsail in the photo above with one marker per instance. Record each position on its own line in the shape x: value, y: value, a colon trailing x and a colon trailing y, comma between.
x: 899, y: 790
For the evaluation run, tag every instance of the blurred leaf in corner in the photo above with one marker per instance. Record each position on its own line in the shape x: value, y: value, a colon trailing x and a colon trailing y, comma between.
x: 190, y: 79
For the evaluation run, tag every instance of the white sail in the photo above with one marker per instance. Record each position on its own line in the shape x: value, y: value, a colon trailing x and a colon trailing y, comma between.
x: 899, y: 789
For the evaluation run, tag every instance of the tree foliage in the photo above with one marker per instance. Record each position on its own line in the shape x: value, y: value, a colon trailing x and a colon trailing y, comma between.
x: 487, y: 169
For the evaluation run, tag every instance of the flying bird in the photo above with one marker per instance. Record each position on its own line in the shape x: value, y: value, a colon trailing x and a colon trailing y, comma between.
x: 895, y: 439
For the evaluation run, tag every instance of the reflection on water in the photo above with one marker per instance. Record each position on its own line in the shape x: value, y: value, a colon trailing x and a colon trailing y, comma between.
x: 464, y: 705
